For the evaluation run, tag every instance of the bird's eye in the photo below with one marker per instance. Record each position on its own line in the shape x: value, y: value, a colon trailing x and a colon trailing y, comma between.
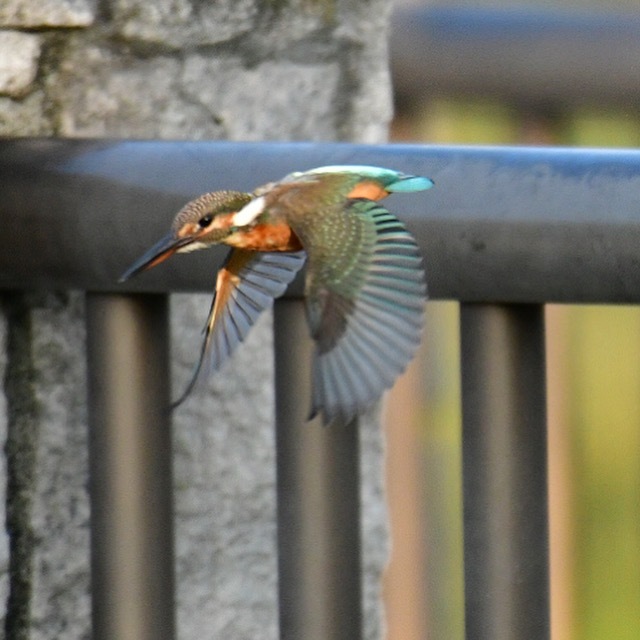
x: 205, y: 221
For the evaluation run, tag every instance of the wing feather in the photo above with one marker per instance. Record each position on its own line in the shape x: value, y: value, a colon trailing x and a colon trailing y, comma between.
x: 367, y: 322
x: 246, y: 285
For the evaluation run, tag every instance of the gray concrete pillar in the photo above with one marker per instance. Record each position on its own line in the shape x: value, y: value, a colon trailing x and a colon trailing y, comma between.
x: 231, y: 69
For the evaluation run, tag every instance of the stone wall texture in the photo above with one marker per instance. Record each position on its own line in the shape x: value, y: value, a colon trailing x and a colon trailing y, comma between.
x: 182, y: 69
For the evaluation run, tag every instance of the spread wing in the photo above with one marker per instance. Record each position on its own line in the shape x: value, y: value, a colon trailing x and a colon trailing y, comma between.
x: 247, y: 285
x: 366, y: 316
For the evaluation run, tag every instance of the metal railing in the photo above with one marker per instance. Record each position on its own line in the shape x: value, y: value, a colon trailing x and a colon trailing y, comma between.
x: 527, y: 55
x: 504, y: 231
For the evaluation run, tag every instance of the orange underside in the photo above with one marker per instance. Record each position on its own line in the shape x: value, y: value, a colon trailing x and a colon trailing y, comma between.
x: 266, y: 237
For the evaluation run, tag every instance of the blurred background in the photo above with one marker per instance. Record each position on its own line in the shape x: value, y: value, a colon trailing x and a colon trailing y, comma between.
x: 550, y: 73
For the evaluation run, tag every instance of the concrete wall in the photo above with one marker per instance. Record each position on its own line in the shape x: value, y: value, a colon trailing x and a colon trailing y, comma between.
x: 230, y: 69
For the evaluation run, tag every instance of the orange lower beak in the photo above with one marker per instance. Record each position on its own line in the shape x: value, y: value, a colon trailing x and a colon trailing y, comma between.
x: 160, y: 251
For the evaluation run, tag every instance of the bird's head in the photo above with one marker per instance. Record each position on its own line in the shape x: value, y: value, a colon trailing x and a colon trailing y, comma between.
x: 205, y: 221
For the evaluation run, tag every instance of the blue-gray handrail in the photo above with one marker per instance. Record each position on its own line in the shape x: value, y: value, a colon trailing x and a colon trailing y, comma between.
x: 504, y: 231
x: 503, y: 224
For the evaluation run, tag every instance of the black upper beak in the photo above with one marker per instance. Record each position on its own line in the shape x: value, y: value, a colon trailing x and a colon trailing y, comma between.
x: 158, y: 253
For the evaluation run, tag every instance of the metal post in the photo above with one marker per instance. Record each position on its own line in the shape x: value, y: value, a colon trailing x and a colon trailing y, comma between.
x: 504, y: 472
x: 318, y: 500
x: 130, y: 468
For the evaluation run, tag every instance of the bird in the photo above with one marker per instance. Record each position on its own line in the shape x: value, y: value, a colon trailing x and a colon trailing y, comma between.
x: 365, y: 286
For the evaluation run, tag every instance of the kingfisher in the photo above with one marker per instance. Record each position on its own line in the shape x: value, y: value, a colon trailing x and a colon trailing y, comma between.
x: 365, y: 286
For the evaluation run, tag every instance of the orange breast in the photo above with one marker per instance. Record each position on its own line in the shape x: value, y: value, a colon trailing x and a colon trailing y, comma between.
x: 265, y: 237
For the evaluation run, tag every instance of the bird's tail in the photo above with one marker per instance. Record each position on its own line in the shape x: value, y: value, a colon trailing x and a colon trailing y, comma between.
x: 407, y: 184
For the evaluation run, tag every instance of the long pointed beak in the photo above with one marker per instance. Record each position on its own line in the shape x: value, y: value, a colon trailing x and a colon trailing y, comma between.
x: 158, y: 253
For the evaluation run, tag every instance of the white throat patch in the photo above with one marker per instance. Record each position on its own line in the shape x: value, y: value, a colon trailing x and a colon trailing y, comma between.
x: 192, y: 246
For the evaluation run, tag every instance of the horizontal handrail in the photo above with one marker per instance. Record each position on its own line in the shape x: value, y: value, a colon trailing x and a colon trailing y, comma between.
x: 534, y: 56
x: 503, y: 224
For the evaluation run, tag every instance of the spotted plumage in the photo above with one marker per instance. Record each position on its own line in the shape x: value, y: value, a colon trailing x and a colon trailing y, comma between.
x: 364, y: 288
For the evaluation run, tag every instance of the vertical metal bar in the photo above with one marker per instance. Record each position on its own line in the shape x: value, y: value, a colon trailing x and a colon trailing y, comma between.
x: 504, y: 472
x: 130, y: 468
x: 318, y: 500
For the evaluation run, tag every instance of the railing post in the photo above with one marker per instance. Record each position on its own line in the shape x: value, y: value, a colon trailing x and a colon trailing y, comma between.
x: 318, y: 500
x: 504, y: 472
x: 130, y: 468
